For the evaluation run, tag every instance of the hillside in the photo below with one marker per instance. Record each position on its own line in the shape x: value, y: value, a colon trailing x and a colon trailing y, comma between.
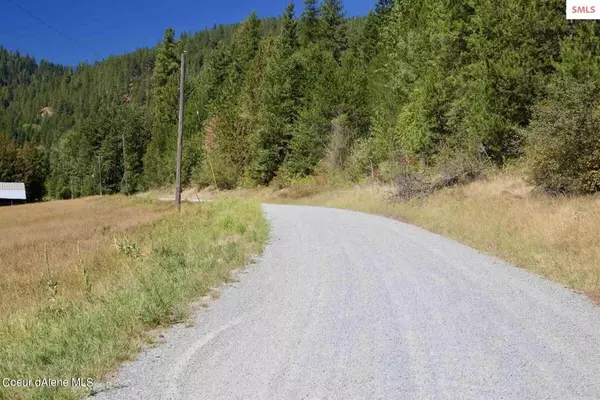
x: 416, y: 92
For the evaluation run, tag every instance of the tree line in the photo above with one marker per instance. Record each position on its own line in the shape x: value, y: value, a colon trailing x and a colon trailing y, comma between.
x: 428, y: 86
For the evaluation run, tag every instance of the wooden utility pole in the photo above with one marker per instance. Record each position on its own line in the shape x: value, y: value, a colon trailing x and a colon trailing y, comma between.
x: 125, y: 166
x: 100, y: 172
x: 180, y: 135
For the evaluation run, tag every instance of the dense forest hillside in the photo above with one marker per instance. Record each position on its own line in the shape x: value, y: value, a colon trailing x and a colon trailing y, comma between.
x: 413, y: 88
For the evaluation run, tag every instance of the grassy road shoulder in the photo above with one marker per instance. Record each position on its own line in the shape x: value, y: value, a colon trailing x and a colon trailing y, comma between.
x: 157, y: 269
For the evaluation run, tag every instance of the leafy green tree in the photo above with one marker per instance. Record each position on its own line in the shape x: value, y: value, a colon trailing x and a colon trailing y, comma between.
x: 135, y: 134
x: 65, y: 166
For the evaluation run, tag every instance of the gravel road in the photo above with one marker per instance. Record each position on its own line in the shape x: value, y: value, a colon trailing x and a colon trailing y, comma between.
x: 344, y: 305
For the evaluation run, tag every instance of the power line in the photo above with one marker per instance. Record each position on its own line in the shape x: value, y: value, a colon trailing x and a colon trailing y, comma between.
x: 64, y: 35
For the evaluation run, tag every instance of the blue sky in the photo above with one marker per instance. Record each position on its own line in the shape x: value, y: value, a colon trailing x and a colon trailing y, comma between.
x: 111, y: 27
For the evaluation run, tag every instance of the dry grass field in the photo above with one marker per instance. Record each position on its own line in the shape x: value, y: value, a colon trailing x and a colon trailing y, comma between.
x: 82, y: 281
x: 556, y: 237
x: 39, y: 243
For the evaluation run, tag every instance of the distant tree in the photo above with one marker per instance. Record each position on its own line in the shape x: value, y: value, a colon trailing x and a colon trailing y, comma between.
x: 236, y: 107
x: 160, y: 158
x: 246, y: 41
x: 563, y: 139
x: 32, y: 170
x: 335, y: 35
x: 374, y: 23
x: 383, y: 7
x: 289, y: 32
x: 309, y: 23
x: 280, y: 100
x: 8, y: 159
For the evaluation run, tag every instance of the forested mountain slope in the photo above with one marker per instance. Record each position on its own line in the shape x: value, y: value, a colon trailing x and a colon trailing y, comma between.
x: 413, y: 87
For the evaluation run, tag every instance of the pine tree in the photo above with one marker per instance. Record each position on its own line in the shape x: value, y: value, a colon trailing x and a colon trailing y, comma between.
x: 289, y: 34
x: 136, y: 134
x: 370, y: 36
x: 8, y: 159
x: 32, y: 170
x: 280, y: 100
x: 383, y: 7
x: 246, y: 41
x: 320, y: 105
x: 374, y: 23
x: 309, y: 23
x: 335, y: 35
x: 234, y: 111
x: 160, y: 157
x: 510, y: 56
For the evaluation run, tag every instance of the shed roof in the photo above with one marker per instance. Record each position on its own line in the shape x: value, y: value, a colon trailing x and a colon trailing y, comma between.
x: 12, y: 191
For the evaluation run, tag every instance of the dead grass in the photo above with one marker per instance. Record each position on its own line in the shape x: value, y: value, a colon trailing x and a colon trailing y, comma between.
x: 556, y: 237
x: 31, y: 232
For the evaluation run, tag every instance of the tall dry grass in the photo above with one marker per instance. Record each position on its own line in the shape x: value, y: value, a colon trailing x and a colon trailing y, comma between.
x: 139, y: 273
x: 47, y: 241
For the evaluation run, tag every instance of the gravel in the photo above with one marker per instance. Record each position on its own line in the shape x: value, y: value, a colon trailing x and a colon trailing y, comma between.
x: 344, y: 305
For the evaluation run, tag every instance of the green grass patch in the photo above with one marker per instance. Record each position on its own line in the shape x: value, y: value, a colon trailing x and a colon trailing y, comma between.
x: 164, y: 266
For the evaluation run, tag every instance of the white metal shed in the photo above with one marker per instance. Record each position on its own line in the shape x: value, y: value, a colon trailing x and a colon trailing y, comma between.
x: 12, y: 191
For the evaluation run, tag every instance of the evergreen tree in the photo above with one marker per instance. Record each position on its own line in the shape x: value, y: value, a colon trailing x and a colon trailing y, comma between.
x: 8, y: 159
x: 280, y: 100
x: 289, y: 34
x: 160, y: 158
x: 234, y: 111
x: 384, y: 7
x: 511, y: 54
x: 563, y: 149
x: 246, y: 42
x: 334, y: 27
x: 321, y: 104
x: 374, y: 23
x: 309, y: 23
x: 32, y: 170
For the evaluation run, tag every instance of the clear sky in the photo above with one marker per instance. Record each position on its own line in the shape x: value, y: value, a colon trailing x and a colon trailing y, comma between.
x: 107, y: 27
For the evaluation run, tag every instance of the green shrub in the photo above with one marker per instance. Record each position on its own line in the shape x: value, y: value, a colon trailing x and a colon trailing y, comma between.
x: 361, y: 162
x: 459, y: 161
x: 338, y: 149
x: 216, y: 171
x: 563, y: 151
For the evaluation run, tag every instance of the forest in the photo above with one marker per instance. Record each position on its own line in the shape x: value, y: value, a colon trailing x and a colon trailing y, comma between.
x: 416, y: 91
